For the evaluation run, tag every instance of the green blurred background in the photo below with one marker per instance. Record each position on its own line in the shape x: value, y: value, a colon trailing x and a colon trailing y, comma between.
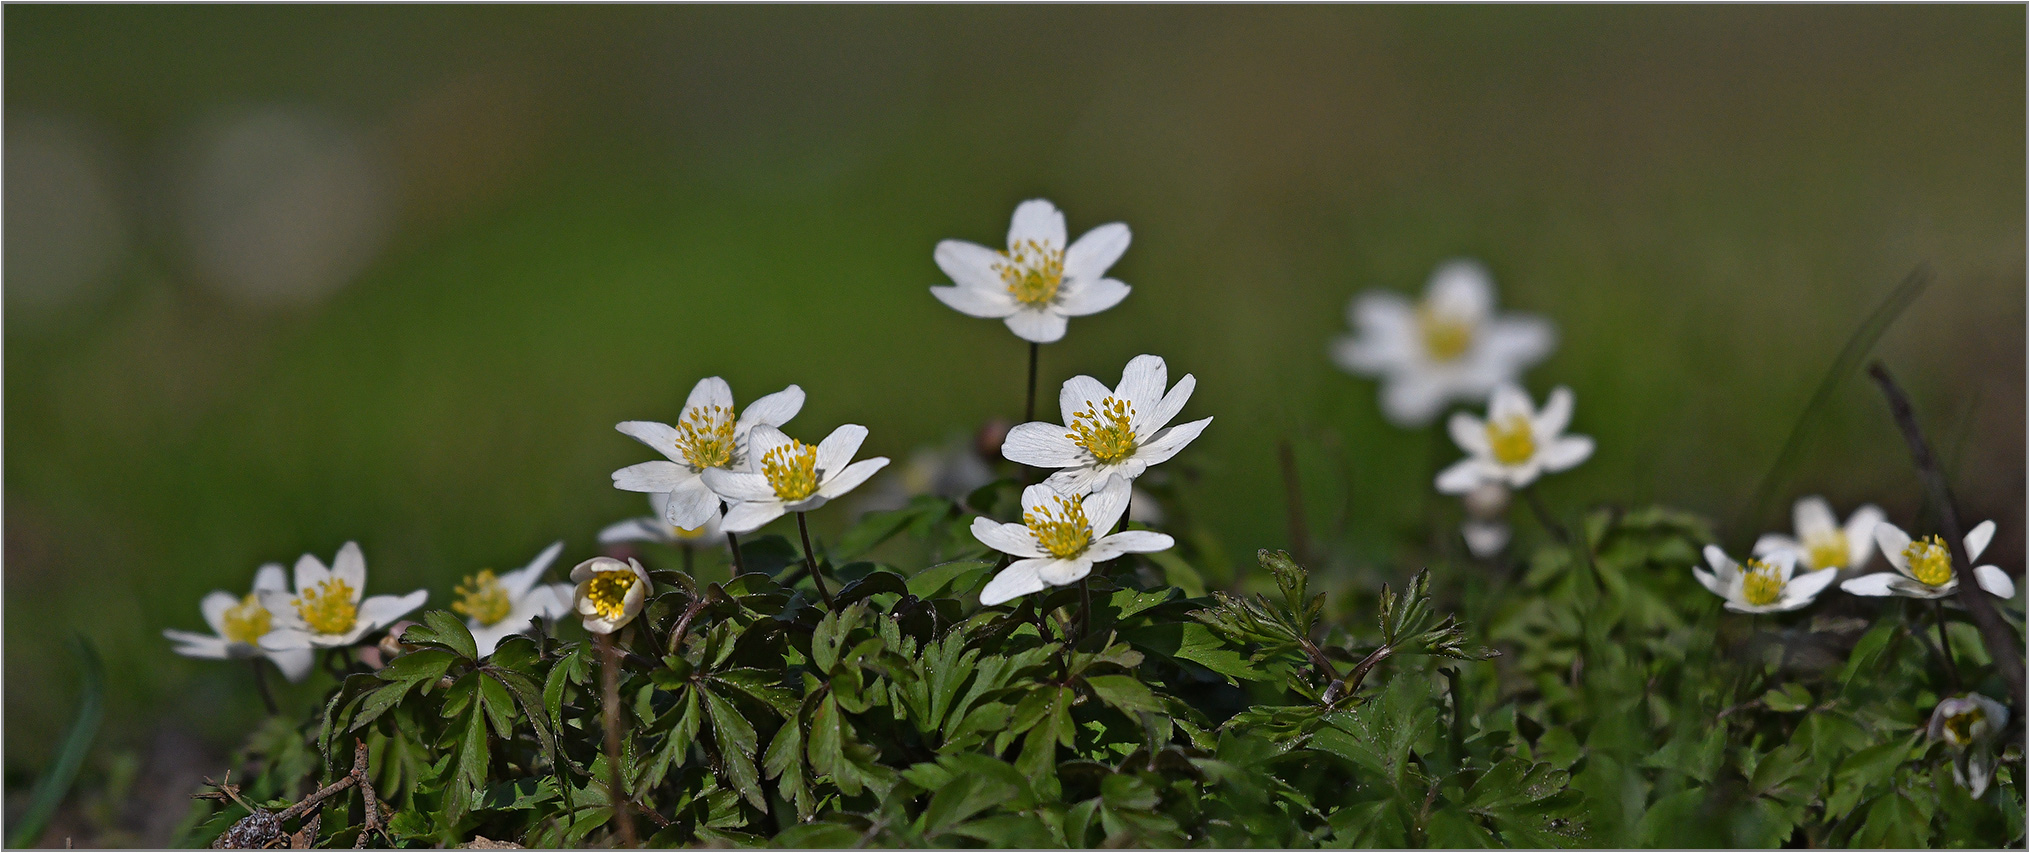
x: 280, y: 277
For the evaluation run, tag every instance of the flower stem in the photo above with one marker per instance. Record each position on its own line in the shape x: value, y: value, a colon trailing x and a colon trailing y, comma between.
x: 611, y: 716
x: 261, y: 682
x: 1293, y: 501
x: 1952, y: 667
x: 1544, y: 516
x: 2003, y: 646
x: 733, y: 542
x: 1085, y: 607
x: 811, y: 559
x: 1029, y: 407
x: 687, y: 559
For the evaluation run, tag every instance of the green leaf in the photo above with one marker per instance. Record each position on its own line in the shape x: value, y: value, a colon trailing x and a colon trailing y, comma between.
x: 440, y: 628
x: 1009, y: 830
x: 1178, y: 573
x: 821, y: 835
x: 934, y: 580
x: 1788, y: 698
x: 761, y: 685
x: 873, y: 584
x: 422, y: 666
x: 965, y: 796
x: 1194, y: 642
x: 737, y: 746
x: 1125, y: 692
x: 498, y: 706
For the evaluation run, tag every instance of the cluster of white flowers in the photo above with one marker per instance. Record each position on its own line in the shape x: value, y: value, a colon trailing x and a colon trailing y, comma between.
x: 325, y: 610
x: 1768, y: 583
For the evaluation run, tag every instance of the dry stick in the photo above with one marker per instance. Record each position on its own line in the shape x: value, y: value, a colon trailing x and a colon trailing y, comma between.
x: 811, y: 560
x: 261, y: 682
x: 2001, y: 642
x: 1293, y: 499
x: 611, y: 713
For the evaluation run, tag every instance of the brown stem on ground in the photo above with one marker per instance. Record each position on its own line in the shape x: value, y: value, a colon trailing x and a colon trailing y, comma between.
x: 2003, y: 647
x: 611, y: 714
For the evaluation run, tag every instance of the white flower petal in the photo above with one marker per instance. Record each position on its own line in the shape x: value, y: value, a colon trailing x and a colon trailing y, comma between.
x: 1861, y: 534
x: 271, y: 577
x: 660, y: 437
x: 1006, y: 538
x: 1506, y: 345
x: 1042, y: 445
x: 1565, y: 453
x: 1461, y: 288
x: 1771, y: 543
x: 1065, y: 572
x: 1509, y: 401
x: 294, y: 663
x: 350, y: 567
x: 310, y: 572
x: 1167, y: 443
x: 1723, y: 566
x: 851, y: 478
x: 1978, y: 538
x: 1039, y: 221
x: 739, y: 486
x: 1800, y: 590
x: 693, y: 503
x: 635, y: 530
x: 1707, y: 580
x: 1485, y: 538
x: 971, y: 267
x: 214, y: 607
x: 1128, y: 542
x: 1813, y: 517
x: 382, y: 610
x: 1172, y: 403
x: 1036, y: 326
x: 286, y: 639
x: 1080, y: 393
x: 1143, y: 381
x: 710, y: 391
x: 977, y: 301
x: 774, y: 410
x: 1080, y: 480
x: 1556, y: 414
x: 1104, y: 506
x: 656, y: 475
x: 1461, y: 477
x: 1878, y: 584
x: 1412, y: 399
x: 1095, y: 251
x: 1083, y: 297
x: 1892, y: 540
x: 518, y: 582
x: 1019, y: 579
x: 1469, y: 432
x: 749, y: 516
x: 192, y: 645
x: 1994, y: 580
x: 837, y: 449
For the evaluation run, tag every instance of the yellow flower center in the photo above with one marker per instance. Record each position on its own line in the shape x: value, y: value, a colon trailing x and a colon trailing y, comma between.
x: 1445, y: 337
x: 705, y: 437
x: 1959, y: 728
x: 687, y: 532
x: 1105, y: 430
x: 1761, y: 583
x: 1512, y: 440
x: 328, y: 607
x: 1828, y: 550
x: 1064, y: 531
x: 1929, y: 561
x: 482, y: 598
x: 608, y: 593
x: 247, y: 621
x: 792, y: 470
x: 1032, y: 271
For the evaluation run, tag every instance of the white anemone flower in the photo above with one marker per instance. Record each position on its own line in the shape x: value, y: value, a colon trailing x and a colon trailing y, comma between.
x: 238, y: 623
x: 608, y: 593
x: 326, y: 610
x: 496, y: 608
x: 1970, y: 725
x: 1040, y: 280
x: 656, y: 527
x: 1119, y: 432
x: 1822, y: 543
x: 1764, y: 585
x: 791, y: 476
x: 1486, y: 528
x: 1924, y: 566
x: 706, y: 437
x: 1060, y: 538
x: 1516, y: 444
x: 1450, y: 346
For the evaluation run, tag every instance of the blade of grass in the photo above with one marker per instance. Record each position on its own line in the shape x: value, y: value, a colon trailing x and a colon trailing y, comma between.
x: 70, y: 755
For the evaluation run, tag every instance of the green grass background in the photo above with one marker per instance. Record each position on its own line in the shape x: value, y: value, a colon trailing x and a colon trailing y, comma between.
x: 601, y: 205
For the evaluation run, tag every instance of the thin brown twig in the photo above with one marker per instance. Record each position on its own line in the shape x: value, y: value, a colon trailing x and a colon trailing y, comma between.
x: 616, y: 795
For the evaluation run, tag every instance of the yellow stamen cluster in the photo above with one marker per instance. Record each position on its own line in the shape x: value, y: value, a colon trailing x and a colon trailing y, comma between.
x: 705, y: 437
x: 1959, y: 727
x: 1512, y: 440
x: 328, y: 607
x: 1105, y: 429
x: 686, y: 532
x: 1064, y: 531
x: 482, y: 598
x: 1032, y: 271
x: 1761, y: 583
x: 246, y: 621
x: 792, y: 470
x: 1828, y: 550
x: 1929, y: 561
x: 1445, y: 337
x: 607, y: 591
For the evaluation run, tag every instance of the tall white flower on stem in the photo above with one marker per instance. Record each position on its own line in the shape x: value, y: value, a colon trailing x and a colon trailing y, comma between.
x: 1448, y: 346
x: 1516, y: 444
x: 1970, y: 725
x: 1060, y: 538
x: 238, y: 623
x: 1040, y: 280
x: 1106, y: 433
x: 656, y: 527
x: 326, y: 610
x: 791, y: 476
x: 1822, y: 543
x: 1764, y: 585
x: 706, y: 437
x: 498, y: 607
x: 1924, y: 566
x: 608, y: 593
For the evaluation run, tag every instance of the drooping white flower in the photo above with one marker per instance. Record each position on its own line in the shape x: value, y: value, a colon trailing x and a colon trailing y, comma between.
x: 1516, y: 443
x: 1450, y: 346
x: 1040, y: 279
x: 791, y: 476
x: 496, y: 608
x: 1486, y: 528
x: 608, y: 593
x: 656, y: 527
x: 1060, y: 538
x: 1764, y: 585
x: 706, y: 437
x: 1970, y: 725
x: 238, y: 623
x: 1821, y: 542
x: 1924, y: 566
x: 1108, y: 432
x: 326, y: 609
